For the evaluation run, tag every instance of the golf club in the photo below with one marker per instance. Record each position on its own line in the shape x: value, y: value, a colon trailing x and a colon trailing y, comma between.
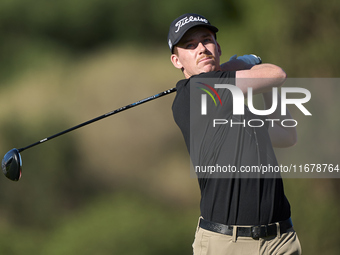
x: 12, y: 164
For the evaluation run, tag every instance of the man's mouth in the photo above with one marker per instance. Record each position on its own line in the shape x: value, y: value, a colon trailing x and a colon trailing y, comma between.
x: 205, y: 58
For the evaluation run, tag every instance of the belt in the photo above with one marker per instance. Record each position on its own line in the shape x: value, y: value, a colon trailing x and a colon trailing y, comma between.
x: 255, y: 232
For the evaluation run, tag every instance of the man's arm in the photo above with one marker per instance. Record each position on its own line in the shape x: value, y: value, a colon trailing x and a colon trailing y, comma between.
x: 251, y: 73
x: 262, y: 78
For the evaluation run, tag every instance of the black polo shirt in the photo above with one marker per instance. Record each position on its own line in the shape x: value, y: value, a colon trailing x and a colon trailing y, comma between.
x: 231, y: 201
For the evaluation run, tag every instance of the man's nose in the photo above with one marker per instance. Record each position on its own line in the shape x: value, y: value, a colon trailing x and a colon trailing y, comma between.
x: 201, y: 47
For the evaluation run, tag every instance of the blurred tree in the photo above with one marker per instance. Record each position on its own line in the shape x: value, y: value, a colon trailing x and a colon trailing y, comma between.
x: 78, y: 26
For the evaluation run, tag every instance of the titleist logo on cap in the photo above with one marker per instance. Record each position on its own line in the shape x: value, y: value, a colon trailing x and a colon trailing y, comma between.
x: 187, y: 20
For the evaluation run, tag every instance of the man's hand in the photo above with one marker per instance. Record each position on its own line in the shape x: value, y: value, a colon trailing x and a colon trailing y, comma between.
x: 249, y: 59
x: 244, y: 62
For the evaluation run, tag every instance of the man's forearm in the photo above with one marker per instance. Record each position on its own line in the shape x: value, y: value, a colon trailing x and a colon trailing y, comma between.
x: 261, y: 78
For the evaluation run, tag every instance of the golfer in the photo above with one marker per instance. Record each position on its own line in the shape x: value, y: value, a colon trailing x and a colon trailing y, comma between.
x: 238, y: 215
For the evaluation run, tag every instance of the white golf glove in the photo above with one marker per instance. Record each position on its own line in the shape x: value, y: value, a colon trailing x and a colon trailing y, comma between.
x: 249, y: 59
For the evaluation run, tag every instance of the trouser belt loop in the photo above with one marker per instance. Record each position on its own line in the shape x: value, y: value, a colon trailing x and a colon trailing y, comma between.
x: 234, y: 234
x: 278, y: 229
x: 198, y: 223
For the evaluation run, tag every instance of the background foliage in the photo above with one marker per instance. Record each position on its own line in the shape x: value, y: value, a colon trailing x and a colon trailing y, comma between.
x: 120, y: 186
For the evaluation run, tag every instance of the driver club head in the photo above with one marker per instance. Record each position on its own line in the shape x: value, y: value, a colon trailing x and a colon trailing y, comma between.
x: 11, y: 165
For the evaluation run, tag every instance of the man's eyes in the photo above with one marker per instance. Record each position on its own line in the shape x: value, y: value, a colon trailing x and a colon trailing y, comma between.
x: 190, y: 46
x: 194, y: 45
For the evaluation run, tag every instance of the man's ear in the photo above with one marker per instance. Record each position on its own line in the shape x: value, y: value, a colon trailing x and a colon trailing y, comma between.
x: 175, y: 61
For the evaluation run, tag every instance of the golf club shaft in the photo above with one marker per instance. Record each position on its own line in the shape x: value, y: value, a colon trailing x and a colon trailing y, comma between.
x: 101, y: 117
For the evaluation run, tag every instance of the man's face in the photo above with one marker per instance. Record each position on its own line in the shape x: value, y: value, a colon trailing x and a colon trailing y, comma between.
x: 197, y: 52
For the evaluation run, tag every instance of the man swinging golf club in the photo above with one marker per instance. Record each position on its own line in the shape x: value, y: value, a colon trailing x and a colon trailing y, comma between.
x: 238, y: 215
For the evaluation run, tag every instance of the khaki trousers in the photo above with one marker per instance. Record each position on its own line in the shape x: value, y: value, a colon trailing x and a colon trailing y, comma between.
x: 211, y: 243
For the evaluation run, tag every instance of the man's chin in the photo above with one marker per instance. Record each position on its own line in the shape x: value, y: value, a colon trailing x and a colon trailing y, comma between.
x: 209, y: 68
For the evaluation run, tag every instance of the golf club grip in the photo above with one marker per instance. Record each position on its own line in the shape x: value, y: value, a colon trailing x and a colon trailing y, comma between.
x: 169, y: 91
